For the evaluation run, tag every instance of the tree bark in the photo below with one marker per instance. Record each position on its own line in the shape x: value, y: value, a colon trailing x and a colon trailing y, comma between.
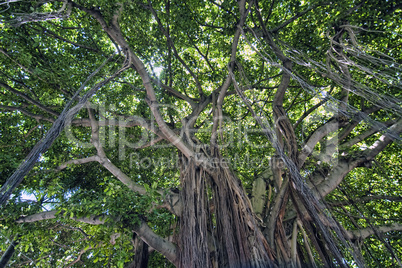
x: 9, y: 253
x: 236, y: 238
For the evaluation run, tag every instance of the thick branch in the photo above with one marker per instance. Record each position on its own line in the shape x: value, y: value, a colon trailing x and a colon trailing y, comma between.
x: 47, y: 215
x: 165, y: 247
x: 336, y: 176
x: 282, y: 123
x: 172, y: 199
x: 223, y: 89
x: 162, y: 245
x: 366, y: 232
x: 318, y: 134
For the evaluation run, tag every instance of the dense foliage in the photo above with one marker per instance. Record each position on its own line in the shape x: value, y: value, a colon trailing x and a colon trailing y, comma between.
x: 282, y: 116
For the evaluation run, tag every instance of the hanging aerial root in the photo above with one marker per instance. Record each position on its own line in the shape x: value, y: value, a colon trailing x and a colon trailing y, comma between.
x: 193, y: 236
x: 237, y: 228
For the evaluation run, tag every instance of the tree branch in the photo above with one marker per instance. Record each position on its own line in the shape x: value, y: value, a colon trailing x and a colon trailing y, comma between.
x: 298, y: 15
x: 80, y: 161
x: 338, y: 173
x: 318, y: 134
x: 115, y: 34
x: 309, y: 111
x: 47, y: 215
x: 205, y: 57
x: 53, y: 34
x: 43, y: 145
x: 223, y: 89
x: 355, y: 121
x: 125, y: 121
x: 174, y: 204
x: 174, y: 92
x: 283, y: 127
x: 364, y: 199
x: 20, y: 65
x: 80, y: 254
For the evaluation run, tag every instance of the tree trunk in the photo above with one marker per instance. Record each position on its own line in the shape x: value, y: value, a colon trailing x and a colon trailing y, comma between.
x: 218, y: 227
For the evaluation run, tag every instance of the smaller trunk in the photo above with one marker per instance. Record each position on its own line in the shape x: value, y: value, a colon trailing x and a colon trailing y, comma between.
x: 9, y: 253
x: 217, y: 210
x: 141, y: 254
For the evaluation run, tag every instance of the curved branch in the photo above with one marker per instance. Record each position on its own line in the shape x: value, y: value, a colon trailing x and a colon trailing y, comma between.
x: 318, y: 134
x: 283, y: 127
x: 298, y: 15
x: 165, y: 247
x: 365, y: 199
x: 309, y: 111
x: 43, y: 145
x: 105, y: 162
x: 116, y: 35
x: 223, y: 89
x: 363, y: 136
x: 174, y: 205
x: 80, y: 161
x: 279, y: 199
